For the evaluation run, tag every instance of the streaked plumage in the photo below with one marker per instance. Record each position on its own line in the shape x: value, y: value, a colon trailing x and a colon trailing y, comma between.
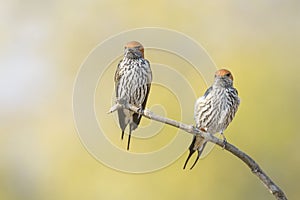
x: 132, y: 83
x: 214, y: 110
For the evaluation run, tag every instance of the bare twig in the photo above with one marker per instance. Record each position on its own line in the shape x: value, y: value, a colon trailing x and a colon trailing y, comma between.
x: 255, y: 168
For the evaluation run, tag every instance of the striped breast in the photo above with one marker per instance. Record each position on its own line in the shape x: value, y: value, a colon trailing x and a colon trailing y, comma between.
x: 133, y: 77
x: 216, y: 109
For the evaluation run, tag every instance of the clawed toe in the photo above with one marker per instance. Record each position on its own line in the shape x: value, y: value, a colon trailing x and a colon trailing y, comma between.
x: 224, y: 143
x: 224, y: 140
x: 140, y: 110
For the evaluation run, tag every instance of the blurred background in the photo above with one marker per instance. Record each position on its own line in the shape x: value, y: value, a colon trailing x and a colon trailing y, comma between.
x: 43, y: 44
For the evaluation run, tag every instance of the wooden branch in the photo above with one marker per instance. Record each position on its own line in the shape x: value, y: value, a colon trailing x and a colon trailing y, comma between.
x: 255, y: 168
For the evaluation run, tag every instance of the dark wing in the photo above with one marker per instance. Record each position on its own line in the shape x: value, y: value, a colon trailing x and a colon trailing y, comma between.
x: 233, y: 104
x: 137, y: 117
x: 207, y: 91
x: 121, y: 114
x: 201, y: 108
x: 117, y: 78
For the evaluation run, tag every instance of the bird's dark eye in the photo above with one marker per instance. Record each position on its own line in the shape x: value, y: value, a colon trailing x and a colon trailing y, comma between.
x: 228, y: 75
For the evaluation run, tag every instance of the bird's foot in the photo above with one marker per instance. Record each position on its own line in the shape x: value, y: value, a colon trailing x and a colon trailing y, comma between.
x: 224, y: 141
x: 140, y: 110
x: 193, y: 128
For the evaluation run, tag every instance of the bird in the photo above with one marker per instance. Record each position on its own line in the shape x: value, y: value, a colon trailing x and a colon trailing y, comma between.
x: 214, y: 111
x: 133, y: 79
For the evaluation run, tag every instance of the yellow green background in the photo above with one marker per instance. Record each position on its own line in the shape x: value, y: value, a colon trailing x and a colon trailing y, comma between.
x: 43, y: 44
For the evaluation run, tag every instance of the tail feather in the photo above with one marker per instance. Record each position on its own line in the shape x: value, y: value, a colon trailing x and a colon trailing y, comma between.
x: 122, y: 121
x: 191, y: 151
x: 122, y: 135
x: 200, y: 150
x: 132, y: 126
x: 198, y: 144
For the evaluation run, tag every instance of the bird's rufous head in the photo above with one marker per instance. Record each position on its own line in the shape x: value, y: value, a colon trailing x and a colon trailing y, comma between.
x: 223, y: 78
x: 223, y: 73
x: 134, y: 50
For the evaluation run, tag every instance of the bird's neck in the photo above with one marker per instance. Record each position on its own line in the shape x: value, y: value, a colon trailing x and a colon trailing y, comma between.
x: 222, y: 83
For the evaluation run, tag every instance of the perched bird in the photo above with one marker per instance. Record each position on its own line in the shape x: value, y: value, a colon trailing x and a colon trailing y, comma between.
x: 214, y: 111
x: 132, y: 84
